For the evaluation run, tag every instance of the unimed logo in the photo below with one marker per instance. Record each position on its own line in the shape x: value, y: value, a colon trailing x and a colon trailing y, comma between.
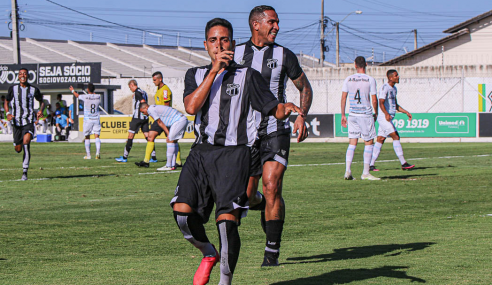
x: 452, y: 124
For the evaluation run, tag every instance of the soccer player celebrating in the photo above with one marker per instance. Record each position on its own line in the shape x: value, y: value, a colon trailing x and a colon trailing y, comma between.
x: 270, y: 152
x: 139, y: 121
x: 223, y: 96
x: 163, y: 96
x: 388, y: 106
x: 21, y: 97
x: 92, y: 124
x: 361, y: 89
x: 172, y: 123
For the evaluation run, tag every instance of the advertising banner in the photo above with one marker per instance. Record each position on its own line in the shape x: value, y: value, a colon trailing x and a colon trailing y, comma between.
x: 484, y: 98
x: 485, y: 125
x: 426, y: 125
x: 51, y: 75
x: 116, y: 127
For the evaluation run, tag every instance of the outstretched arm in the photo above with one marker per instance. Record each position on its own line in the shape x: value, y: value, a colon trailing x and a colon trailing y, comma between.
x: 306, y: 97
x: 282, y: 111
x: 74, y: 92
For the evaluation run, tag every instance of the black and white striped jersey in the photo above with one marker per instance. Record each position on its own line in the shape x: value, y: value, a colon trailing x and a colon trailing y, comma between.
x: 276, y: 64
x: 21, y: 101
x: 227, y: 118
x: 137, y: 98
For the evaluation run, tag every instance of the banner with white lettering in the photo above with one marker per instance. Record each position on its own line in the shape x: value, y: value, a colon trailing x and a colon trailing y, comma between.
x: 51, y: 75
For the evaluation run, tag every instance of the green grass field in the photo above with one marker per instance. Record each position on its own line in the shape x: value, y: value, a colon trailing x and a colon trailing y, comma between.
x: 102, y: 222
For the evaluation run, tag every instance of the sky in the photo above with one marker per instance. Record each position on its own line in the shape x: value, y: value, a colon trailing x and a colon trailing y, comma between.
x: 384, y: 26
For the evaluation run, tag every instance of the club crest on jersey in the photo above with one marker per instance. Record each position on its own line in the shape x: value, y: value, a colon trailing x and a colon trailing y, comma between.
x: 272, y: 63
x: 233, y: 89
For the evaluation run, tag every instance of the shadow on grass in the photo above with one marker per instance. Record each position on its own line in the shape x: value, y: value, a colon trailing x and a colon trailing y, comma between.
x: 430, y: 167
x: 360, y: 252
x: 346, y: 276
x: 407, y: 176
x: 81, y: 176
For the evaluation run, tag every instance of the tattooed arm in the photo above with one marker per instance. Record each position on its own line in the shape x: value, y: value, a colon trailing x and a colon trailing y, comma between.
x: 306, y: 93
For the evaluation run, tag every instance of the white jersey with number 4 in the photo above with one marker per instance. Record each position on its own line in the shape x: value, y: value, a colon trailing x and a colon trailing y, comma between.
x: 360, y: 87
x: 91, y: 106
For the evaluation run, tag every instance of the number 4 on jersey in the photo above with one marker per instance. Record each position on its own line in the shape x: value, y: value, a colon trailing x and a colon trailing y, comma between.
x: 357, y: 96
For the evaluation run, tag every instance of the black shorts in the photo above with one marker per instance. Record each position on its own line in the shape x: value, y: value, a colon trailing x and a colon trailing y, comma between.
x: 217, y: 174
x: 272, y: 147
x: 156, y: 128
x: 19, y: 133
x: 139, y: 124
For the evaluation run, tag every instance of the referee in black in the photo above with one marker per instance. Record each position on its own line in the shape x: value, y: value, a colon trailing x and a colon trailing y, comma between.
x: 270, y: 152
x: 223, y: 96
x: 21, y: 97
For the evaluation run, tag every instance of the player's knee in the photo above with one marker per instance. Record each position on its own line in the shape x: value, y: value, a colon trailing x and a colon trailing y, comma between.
x: 18, y: 148
x: 271, y: 188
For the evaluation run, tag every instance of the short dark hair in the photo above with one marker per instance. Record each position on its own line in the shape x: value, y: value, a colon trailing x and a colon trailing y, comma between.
x: 218, y: 22
x: 91, y: 87
x: 157, y: 73
x: 360, y: 62
x: 257, y: 12
x: 143, y: 105
x: 390, y: 72
x: 23, y: 68
x: 3, y: 97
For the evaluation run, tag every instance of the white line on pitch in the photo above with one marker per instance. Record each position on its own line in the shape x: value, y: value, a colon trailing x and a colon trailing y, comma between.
x: 391, y: 160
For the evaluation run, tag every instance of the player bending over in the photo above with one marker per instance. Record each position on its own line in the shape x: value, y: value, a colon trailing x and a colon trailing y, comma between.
x: 172, y: 123
x: 360, y: 88
x: 92, y: 124
x: 388, y: 106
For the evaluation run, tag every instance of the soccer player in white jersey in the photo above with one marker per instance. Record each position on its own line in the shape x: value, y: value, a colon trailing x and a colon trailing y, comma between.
x: 92, y: 125
x: 360, y: 88
x: 388, y: 106
x: 172, y: 123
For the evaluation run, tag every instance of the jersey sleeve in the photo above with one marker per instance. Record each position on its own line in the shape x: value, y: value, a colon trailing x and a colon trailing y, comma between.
x: 292, y: 67
x: 345, y: 85
x: 10, y: 94
x: 152, y: 113
x: 383, y: 93
x: 190, y: 82
x: 373, y: 90
x: 82, y: 97
x: 166, y: 93
x: 262, y: 99
x: 37, y: 95
x: 138, y: 96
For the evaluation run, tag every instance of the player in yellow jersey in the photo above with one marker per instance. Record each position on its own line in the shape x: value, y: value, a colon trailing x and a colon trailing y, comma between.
x: 164, y: 96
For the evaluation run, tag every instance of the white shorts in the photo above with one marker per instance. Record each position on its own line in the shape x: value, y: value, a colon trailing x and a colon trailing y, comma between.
x: 92, y: 127
x: 178, y: 129
x: 361, y: 127
x: 385, y: 127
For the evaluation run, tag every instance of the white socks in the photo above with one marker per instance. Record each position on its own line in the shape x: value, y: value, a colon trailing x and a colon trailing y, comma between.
x: 98, y: 146
x: 88, y: 147
x: 399, y: 151
x: 367, y: 158
x: 349, y: 157
x: 375, y: 152
x: 172, y: 152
